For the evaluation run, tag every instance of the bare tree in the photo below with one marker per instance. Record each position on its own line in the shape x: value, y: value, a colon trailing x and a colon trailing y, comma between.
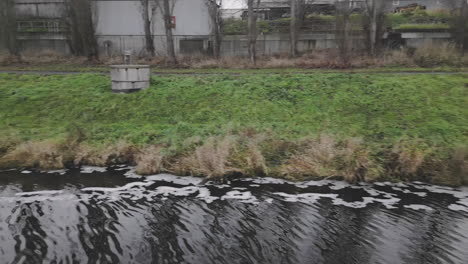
x: 343, y: 30
x: 293, y: 31
x: 216, y: 25
x: 374, y: 19
x: 82, y: 31
x: 459, y: 24
x: 297, y: 8
x: 146, y: 11
x: 8, y: 26
x: 252, y: 28
x: 168, y: 25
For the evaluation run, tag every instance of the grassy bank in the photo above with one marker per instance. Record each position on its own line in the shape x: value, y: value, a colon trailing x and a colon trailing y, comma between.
x: 360, y: 127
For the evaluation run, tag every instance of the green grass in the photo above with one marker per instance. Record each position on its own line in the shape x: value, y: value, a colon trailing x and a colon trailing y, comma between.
x: 181, y: 112
x: 376, y: 107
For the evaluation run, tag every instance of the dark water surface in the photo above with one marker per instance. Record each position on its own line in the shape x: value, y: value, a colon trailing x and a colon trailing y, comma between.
x: 115, y: 216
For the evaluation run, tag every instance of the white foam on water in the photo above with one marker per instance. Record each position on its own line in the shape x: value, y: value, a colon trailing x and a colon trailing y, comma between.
x: 388, y: 203
x: 123, y: 168
x: 372, y: 192
x: 383, y: 183
x: 339, y: 185
x: 26, y: 172
x: 245, y: 197
x: 266, y: 180
x: 406, y: 191
x: 117, y: 189
x: 41, y: 198
x: 335, y: 184
x: 219, y: 186
x: 61, y: 172
x: 91, y: 169
x: 175, y: 179
x: 184, y: 191
x: 39, y: 193
x: 458, y: 193
x: 205, y: 194
x: 457, y: 207
x: 418, y: 207
x: 131, y: 174
x: 357, y: 204
x: 304, y: 197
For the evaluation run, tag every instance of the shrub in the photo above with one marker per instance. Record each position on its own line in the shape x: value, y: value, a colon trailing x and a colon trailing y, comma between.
x: 431, y: 55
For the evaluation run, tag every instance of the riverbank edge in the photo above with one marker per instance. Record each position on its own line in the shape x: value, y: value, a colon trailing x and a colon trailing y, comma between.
x: 228, y: 157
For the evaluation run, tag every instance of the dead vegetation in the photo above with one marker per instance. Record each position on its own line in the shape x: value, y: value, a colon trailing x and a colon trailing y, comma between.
x: 326, y: 157
x: 408, y: 157
x: 212, y: 159
x: 118, y: 153
x: 43, y: 154
x: 150, y: 160
x: 429, y: 55
x: 40, y: 58
x: 254, y: 155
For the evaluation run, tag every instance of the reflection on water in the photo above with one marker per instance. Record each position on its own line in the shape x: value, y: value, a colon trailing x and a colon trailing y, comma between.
x: 114, y: 216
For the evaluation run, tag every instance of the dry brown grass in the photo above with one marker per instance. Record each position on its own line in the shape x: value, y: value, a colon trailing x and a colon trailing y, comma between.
x: 398, y: 57
x: 325, y: 157
x: 439, y: 54
x: 249, y: 156
x: 452, y: 170
x: 43, y: 155
x: 460, y: 160
x: 212, y: 159
x: 7, y: 143
x: 118, y: 153
x: 150, y: 160
x: 50, y: 56
x: 255, y: 161
x: 317, y: 159
x: 409, y: 156
x: 222, y: 63
x: 356, y: 163
x: 429, y: 55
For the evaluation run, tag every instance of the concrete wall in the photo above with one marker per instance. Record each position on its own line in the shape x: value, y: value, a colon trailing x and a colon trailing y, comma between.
x: 279, y: 43
x: 120, y: 25
x: 418, y: 39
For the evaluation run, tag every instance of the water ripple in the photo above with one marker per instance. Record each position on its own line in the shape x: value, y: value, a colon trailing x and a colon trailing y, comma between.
x: 168, y: 219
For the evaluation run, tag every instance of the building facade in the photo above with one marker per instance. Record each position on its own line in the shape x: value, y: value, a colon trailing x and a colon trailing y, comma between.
x: 118, y: 24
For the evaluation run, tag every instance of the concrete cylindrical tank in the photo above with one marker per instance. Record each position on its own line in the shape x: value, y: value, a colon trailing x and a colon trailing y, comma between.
x: 130, y: 78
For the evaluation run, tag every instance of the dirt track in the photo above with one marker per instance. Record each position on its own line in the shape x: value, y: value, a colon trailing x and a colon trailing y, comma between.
x: 45, y: 73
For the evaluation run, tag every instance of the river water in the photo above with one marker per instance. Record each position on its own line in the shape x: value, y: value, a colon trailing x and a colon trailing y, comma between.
x: 96, y: 215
